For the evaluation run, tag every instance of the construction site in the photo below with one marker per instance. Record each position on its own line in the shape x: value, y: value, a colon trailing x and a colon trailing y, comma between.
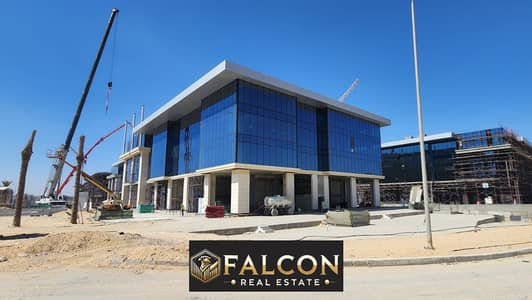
x: 491, y: 166
x: 241, y: 155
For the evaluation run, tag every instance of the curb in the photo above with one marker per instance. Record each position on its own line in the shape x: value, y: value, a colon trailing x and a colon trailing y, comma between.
x: 302, y: 224
x: 372, y: 262
x: 386, y: 262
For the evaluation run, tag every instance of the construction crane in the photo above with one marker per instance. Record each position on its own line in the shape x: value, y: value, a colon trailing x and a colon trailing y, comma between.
x: 99, y: 141
x: 348, y: 92
x: 50, y: 195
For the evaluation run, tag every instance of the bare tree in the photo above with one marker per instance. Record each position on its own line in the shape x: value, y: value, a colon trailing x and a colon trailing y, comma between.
x: 26, y: 155
x: 77, y: 185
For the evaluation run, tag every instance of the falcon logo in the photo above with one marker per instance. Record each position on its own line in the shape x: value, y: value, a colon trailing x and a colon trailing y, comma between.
x: 205, y: 266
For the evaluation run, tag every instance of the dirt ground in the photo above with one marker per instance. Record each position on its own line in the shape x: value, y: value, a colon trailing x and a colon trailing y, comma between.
x: 51, y: 242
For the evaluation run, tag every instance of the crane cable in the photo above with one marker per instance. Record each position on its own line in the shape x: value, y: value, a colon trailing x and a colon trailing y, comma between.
x: 110, y: 82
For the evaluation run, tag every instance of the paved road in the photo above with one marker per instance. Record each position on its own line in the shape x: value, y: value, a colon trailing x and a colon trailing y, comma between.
x: 503, y: 279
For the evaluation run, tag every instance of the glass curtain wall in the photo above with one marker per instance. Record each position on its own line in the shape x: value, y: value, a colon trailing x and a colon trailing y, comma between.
x: 354, y: 144
x: 218, y: 128
x: 266, y: 126
x: 307, y: 137
x: 158, y: 154
x: 189, y: 143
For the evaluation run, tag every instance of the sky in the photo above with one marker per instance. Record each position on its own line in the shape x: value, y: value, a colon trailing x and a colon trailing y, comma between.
x: 474, y: 56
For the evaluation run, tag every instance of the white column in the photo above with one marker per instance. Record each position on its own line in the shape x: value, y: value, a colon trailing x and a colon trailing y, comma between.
x: 289, y: 190
x: 123, y: 190
x: 185, y: 193
x: 240, y: 191
x: 169, y: 194
x: 353, y: 185
x: 314, y: 190
x: 376, y: 193
x: 325, y: 180
x: 155, y: 196
x: 144, y: 167
x: 209, y: 187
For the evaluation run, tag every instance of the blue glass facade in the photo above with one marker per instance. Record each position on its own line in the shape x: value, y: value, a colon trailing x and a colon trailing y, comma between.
x: 403, y: 163
x: 158, y: 154
x: 266, y: 127
x: 218, y: 128
x: 307, y: 137
x: 189, y: 143
x: 251, y: 124
x: 353, y: 144
x: 481, y: 138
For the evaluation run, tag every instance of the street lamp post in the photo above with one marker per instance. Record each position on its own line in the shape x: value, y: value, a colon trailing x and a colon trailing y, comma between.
x: 421, y: 136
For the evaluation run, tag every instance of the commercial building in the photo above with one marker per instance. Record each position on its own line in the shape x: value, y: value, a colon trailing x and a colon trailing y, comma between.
x: 235, y: 136
x: 486, y: 166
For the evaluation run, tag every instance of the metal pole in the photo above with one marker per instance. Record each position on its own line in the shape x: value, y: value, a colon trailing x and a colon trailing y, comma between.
x: 421, y: 136
x: 124, y: 148
x: 132, y: 132
x: 141, y: 136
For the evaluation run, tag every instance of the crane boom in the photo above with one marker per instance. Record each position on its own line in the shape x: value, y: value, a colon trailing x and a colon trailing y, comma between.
x: 100, y: 140
x: 348, y: 92
x: 62, y: 152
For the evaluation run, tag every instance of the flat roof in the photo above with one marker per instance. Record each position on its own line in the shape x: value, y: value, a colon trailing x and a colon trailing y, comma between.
x: 224, y: 73
x: 415, y: 140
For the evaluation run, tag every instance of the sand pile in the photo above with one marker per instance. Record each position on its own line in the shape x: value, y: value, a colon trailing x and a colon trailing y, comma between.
x: 93, y: 249
x: 79, y: 241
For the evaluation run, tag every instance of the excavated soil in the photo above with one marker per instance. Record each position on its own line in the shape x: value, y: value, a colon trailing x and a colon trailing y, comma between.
x: 92, y: 249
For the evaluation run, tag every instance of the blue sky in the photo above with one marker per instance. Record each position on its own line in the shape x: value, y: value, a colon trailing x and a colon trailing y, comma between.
x: 475, y: 63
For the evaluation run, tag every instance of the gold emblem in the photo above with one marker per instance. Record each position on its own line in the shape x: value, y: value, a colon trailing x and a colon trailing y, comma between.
x: 205, y: 266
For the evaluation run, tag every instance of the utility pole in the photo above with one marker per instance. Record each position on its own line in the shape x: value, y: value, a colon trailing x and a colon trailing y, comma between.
x: 80, y: 158
x: 421, y: 136
x: 26, y: 155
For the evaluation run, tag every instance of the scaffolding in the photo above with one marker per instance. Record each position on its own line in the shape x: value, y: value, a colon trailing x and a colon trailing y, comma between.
x: 489, y: 166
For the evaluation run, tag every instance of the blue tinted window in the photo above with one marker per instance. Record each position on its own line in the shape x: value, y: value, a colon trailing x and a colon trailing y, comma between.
x: 189, y: 143
x: 267, y: 128
x: 353, y: 144
x: 307, y: 137
x: 218, y: 128
x: 158, y: 154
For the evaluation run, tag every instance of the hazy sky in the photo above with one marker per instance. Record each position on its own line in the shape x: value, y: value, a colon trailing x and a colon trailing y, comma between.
x: 475, y: 63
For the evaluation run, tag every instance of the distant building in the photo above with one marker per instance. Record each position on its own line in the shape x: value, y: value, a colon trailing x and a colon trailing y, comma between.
x: 6, y: 196
x: 492, y: 165
x: 96, y: 195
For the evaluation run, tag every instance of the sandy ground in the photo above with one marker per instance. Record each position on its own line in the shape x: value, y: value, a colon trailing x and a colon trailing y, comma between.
x: 51, y: 242
x: 497, y: 279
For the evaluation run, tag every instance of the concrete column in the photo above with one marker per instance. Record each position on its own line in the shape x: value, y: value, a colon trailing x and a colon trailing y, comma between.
x: 240, y: 191
x: 376, y: 193
x: 212, y: 190
x: 289, y: 190
x: 123, y: 189
x: 155, y: 195
x: 325, y: 180
x: 353, y: 185
x: 314, y: 190
x: 185, y: 193
x: 169, y: 195
x: 144, y: 167
x: 209, y: 188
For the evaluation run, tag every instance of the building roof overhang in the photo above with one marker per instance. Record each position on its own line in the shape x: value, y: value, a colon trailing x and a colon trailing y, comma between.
x: 415, y: 140
x: 224, y: 73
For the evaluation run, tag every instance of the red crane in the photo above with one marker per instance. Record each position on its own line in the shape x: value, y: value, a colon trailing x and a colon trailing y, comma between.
x: 103, y: 138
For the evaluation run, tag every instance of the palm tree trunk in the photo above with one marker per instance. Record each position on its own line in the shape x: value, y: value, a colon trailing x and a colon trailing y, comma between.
x: 26, y: 155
